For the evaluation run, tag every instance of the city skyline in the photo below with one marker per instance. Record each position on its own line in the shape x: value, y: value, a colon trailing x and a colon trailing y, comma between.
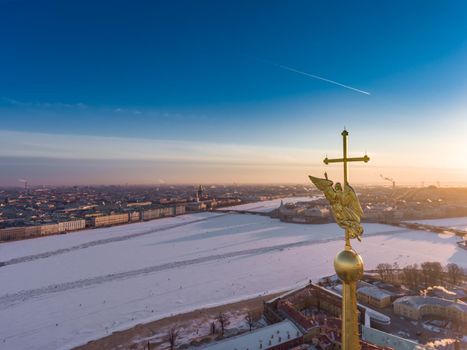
x: 185, y: 93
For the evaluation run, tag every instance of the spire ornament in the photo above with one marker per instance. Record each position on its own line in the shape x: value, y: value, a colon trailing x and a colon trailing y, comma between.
x: 348, y: 264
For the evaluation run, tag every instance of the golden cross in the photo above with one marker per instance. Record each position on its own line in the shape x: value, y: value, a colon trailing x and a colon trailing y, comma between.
x: 345, y: 159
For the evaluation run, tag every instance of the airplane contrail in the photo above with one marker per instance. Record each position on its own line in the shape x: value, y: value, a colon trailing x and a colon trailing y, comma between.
x: 316, y: 77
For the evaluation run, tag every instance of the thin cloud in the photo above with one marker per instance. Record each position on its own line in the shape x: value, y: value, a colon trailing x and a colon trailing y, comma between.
x: 25, y: 144
x: 127, y: 110
x: 45, y: 105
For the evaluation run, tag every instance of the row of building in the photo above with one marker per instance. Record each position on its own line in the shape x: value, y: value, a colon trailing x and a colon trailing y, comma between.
x: 442, y: 309
x: 303, y: 213
x: 415, y: 307
x: 15, y: 233
x: 144, y: 215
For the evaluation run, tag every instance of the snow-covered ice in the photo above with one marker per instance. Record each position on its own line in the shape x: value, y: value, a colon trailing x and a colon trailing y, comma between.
x: 459, y: 223
x: 62, y: 291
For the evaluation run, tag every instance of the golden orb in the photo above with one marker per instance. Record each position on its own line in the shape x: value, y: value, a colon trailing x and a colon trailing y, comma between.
x: 348, y: 265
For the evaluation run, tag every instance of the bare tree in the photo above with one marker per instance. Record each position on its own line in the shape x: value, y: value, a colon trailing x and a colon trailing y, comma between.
x: 437, y: 273
x: 432, y: 272
x: 249, y: 320
x: 172, y: 336
x: 223, y: 320
x: 455, y: 273
x: 251, y: 317
x: 395, y: 272
x: 411, y: 276
x: 425, y: 273
x: 381, y: 271
x: 385, y: 272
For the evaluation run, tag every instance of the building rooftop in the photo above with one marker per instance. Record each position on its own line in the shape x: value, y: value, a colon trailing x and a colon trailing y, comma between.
x: 370, y: 313
x: 380, y: 338
x: 419, y: 301
x: 460, y: 306
x: 268, y: 336
x: 374, y: 292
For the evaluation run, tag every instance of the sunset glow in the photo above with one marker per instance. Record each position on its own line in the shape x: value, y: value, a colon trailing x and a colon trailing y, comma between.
x: 263, y: 109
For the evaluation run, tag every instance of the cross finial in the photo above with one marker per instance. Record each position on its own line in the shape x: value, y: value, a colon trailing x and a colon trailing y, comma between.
x: 344, y: 158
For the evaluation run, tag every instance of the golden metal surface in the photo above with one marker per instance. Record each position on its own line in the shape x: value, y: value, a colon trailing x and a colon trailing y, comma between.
x: 348, y: 264
x: 345, y: 206
x: 349, y: 337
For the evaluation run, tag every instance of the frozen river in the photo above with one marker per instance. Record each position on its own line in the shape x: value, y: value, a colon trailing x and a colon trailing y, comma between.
x: 459, y: 223
x: 62, y: 291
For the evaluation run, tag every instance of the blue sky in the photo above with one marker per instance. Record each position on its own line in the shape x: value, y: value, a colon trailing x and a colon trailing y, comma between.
x: 198, y: 74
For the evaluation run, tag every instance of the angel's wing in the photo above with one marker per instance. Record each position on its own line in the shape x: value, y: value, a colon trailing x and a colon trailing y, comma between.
x: 324, y: 185
x: 321, y: 184
x: 351, y: 200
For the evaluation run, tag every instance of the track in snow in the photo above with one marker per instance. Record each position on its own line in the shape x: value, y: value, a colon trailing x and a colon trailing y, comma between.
x: 8, y: 299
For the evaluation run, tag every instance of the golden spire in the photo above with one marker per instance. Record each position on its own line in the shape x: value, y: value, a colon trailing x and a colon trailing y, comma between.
x: 348, y: 264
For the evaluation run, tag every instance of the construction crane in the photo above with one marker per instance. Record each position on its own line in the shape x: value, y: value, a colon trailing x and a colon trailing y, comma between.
x: 25, y: 182
x: 389, y: 179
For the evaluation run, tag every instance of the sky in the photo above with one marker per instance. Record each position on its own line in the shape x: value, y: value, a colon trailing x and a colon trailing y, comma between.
x: 146, y: 92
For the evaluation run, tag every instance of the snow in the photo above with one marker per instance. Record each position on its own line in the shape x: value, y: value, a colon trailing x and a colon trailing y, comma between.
x: 459, y: 223
x: 62, y: 291
x: 267, y: 206
x: 199, y: 327
x: 277, y: 333
x: 431, y: 327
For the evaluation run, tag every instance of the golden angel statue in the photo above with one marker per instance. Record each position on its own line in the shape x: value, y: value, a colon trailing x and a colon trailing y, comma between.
x: 345, y: 206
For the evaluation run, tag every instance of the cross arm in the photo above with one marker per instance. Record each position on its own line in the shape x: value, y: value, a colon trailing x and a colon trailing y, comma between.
x: 341, y: 160
x: 359, y: 159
